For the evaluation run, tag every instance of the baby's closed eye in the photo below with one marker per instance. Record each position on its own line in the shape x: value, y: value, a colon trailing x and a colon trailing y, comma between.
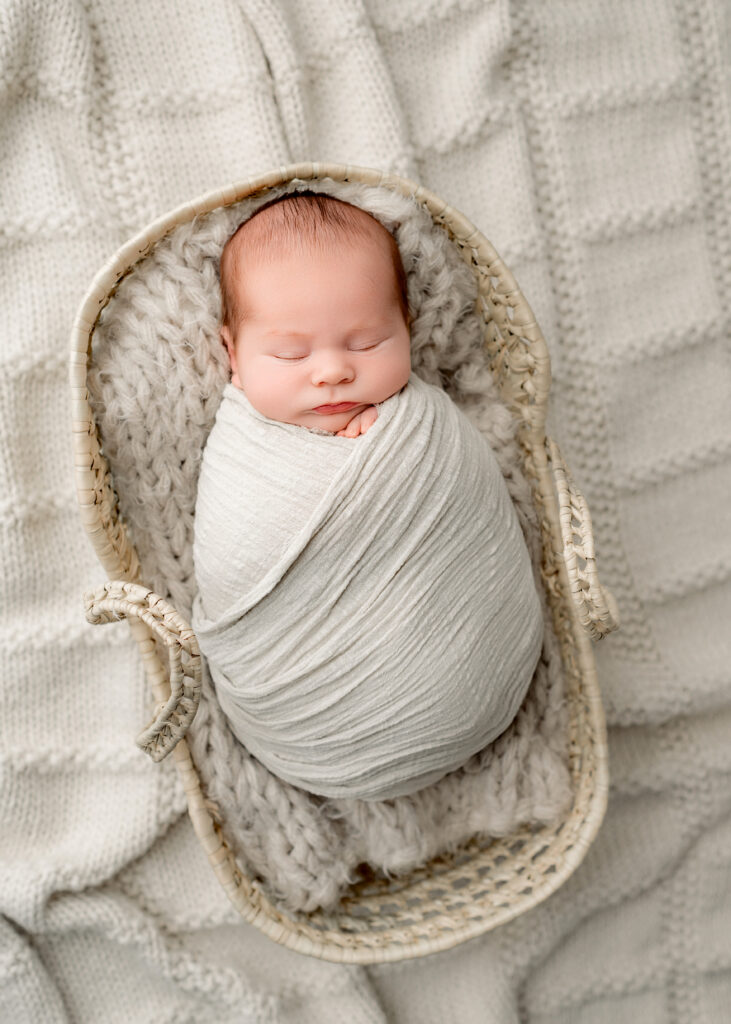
x: 368, y: 345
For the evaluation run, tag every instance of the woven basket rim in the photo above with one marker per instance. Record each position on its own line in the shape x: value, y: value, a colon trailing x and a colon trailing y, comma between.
x: 118, y: 557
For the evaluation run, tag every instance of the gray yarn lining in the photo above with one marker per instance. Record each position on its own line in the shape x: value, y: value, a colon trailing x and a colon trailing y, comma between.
x: 156, y: 381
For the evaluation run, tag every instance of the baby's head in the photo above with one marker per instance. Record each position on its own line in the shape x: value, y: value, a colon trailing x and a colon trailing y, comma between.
x: 314, y: 311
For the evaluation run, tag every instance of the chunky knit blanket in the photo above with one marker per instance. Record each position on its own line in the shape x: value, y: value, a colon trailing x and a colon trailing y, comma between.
x: 594, y: 153
x: 366, y: 606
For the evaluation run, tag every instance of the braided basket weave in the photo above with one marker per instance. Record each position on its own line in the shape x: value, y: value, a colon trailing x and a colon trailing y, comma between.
x: 455, y: 896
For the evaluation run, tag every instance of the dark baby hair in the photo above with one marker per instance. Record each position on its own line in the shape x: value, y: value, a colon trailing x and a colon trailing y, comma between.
x: 302, y: 220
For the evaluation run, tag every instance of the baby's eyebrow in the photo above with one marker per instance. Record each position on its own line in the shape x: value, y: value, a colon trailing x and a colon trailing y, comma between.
x: 274, y: 333
x: 305, y: 336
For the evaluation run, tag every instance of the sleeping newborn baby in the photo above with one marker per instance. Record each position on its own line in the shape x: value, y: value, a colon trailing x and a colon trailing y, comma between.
x: 366, y: 603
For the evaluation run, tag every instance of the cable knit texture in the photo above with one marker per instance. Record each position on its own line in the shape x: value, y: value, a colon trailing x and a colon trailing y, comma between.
x: 592, y: 146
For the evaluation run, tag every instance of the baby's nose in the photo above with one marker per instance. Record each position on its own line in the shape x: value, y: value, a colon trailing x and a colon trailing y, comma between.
x: 332, y: 369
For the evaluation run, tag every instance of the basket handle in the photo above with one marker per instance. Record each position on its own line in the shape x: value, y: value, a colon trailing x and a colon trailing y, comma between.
x: 595, y: 604
x: 177, y: 691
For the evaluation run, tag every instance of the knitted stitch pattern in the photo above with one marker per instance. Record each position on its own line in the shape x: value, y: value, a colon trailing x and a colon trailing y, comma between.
x: 149, y: 390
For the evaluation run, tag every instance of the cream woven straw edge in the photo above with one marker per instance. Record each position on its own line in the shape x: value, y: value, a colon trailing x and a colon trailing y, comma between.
x: 454, y: 897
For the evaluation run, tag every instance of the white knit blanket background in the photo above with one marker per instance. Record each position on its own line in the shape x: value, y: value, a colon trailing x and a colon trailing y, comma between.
x: 593, y: 149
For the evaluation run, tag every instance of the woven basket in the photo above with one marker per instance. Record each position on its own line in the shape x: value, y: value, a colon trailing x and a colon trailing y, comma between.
x: 453, y: 897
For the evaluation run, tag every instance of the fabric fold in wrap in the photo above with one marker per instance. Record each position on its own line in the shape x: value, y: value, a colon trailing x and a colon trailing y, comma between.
x: 366, y: 605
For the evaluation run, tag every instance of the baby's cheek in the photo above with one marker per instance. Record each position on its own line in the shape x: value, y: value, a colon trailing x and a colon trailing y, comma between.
x: 268, y: 387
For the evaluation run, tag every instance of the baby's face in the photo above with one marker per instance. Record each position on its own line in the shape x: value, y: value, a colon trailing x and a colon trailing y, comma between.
x: 323, y: 335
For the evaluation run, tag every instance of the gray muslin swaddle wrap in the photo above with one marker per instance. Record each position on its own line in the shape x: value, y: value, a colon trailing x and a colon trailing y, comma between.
x: 366, y: 605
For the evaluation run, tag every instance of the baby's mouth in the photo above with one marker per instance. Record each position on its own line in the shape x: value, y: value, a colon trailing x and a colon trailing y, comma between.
x: 326, y: 410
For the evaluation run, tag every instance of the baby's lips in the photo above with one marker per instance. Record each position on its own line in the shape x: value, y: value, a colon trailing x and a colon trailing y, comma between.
x: 334, y: 407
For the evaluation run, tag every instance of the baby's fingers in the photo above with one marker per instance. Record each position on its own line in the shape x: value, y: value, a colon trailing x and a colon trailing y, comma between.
x: 359, y: 423
x: 367, y: 418
x: 351, y: 429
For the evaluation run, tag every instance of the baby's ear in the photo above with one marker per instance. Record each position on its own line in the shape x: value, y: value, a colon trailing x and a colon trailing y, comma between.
x: 227, y: 341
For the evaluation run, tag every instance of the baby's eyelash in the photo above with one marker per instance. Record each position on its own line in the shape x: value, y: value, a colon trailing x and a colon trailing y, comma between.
x: 364, y: 348
x: 295, y: 359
